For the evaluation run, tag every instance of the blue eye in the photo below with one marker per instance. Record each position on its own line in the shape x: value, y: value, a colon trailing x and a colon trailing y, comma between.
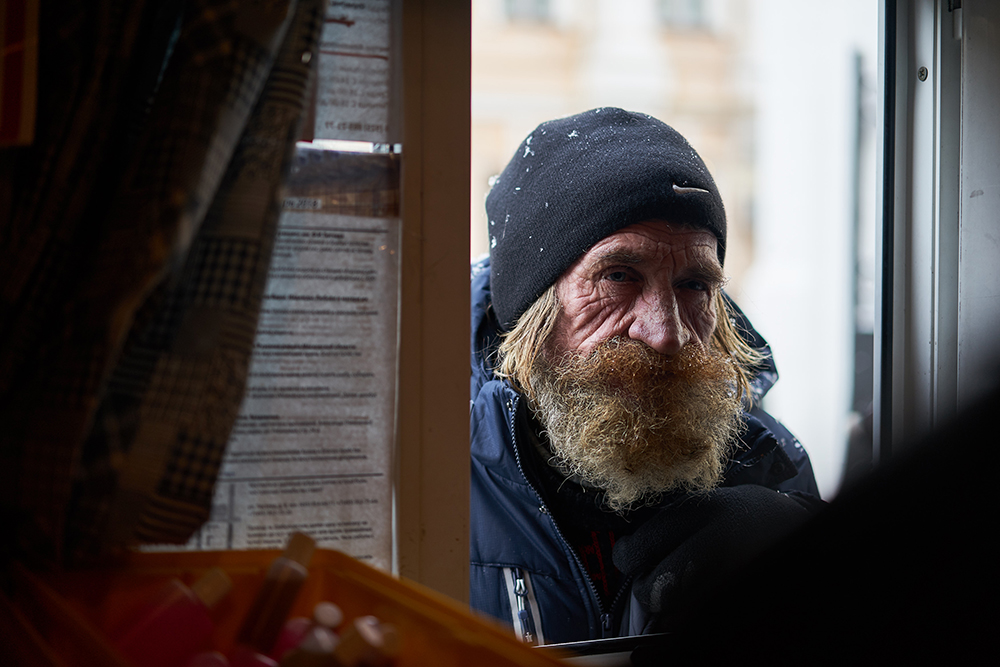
x: 617, y: 276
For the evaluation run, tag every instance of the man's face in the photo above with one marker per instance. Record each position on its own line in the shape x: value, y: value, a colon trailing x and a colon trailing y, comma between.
x: 651, y: 282
x: 630, y: 391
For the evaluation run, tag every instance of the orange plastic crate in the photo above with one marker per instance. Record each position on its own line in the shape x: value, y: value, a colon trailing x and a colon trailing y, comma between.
x: 64, y: 618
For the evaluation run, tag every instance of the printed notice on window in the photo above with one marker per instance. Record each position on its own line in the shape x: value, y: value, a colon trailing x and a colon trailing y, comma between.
x: 312, y: 447
x: 352, y: 98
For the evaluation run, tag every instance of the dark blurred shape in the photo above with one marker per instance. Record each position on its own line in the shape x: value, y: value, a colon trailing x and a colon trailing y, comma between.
x: 898, y: 568
x: 135, y: 238
x: 859, y: 450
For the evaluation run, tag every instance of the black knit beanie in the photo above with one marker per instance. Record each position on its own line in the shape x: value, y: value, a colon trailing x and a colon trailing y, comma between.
x: 576, y: 180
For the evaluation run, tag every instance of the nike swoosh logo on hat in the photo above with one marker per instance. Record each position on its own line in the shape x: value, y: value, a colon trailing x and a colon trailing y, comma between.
x: 686, y: 191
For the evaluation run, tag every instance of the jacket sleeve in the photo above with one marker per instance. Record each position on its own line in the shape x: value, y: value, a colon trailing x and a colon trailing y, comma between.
x: 804, y: 480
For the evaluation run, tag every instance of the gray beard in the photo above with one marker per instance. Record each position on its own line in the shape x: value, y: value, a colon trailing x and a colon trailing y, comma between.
x: 638, y: 424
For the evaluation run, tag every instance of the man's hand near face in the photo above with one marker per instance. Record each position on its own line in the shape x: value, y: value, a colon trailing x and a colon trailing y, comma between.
x: 700, y: 539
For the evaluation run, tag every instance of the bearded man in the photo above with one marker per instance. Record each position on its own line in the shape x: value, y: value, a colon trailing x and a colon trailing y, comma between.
x: 620, y: 458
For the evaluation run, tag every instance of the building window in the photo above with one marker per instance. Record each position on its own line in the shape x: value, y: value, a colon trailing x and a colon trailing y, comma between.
x: 539, y: 11
x: 683, y: 14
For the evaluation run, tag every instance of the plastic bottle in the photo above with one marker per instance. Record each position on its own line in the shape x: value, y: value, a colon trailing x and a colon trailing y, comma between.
x: 315, y: 649
x: 282, y: 583
x: 176, y: 624
x: 325, y: 614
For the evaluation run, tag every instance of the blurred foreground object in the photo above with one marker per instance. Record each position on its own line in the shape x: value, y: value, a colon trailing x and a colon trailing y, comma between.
x: 897, y: 569
x: 135, y: 238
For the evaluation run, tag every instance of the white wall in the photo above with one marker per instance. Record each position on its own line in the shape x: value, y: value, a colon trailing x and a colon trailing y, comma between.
x: 798, y: 293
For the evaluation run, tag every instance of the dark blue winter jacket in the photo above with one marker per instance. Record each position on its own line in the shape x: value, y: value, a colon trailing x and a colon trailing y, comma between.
x: 523, y: 571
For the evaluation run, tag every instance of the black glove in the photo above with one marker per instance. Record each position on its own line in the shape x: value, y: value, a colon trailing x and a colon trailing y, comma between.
x: 701, y: 538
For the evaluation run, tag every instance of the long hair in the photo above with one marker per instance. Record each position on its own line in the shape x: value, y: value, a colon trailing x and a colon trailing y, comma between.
x: 522, y: 347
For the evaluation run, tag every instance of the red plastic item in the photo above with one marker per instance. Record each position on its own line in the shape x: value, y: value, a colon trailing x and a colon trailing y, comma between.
x: 175, y: 624
x: 244, y: 656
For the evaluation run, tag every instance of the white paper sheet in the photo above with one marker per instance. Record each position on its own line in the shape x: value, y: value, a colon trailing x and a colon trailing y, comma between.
x: 312, y: 447
x: 352, y: 99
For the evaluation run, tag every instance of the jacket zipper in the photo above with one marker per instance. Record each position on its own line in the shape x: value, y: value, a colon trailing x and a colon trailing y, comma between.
x: 523, y: 609
x: 625, y: 585
x: 606, y: 618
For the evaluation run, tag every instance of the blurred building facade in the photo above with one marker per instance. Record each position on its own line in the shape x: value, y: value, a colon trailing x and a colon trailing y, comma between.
x: 679, y: 60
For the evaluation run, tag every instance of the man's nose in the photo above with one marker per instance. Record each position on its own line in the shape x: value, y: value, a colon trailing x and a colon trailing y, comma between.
x: 658, y: 324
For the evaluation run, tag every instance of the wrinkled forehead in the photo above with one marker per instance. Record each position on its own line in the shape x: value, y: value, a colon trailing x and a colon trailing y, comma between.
x: 655, y: 237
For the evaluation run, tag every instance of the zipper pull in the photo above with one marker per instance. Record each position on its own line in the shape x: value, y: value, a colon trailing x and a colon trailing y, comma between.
x: 521, y: 595
x: 606, y: 625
